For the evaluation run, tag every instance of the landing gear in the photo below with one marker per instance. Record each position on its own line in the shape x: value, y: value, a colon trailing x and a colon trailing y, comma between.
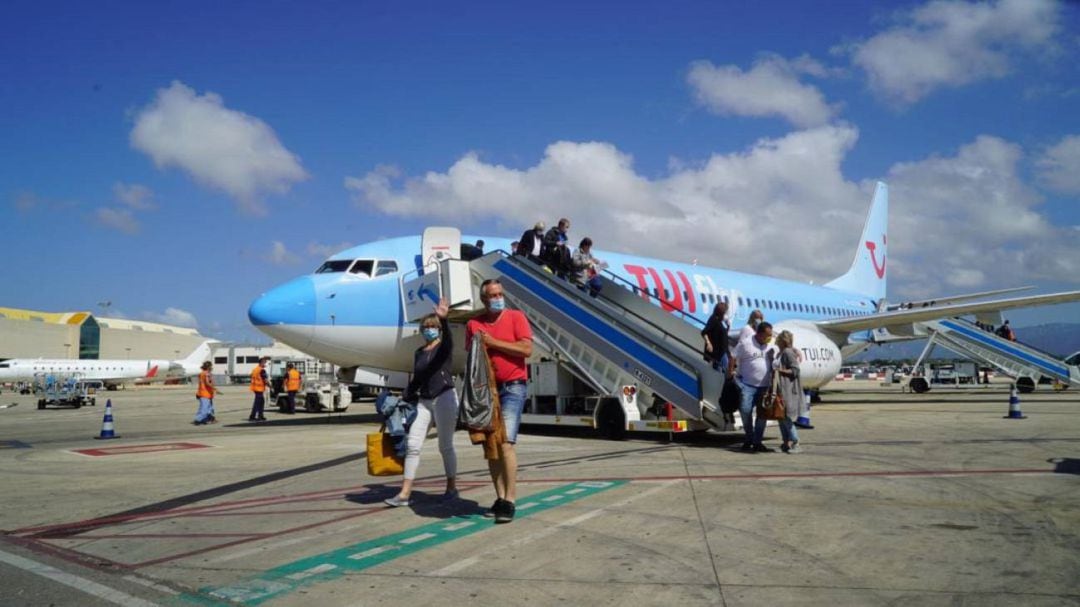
x: 919, y: 385
x: 611, y: 421
x: 1025, y: 385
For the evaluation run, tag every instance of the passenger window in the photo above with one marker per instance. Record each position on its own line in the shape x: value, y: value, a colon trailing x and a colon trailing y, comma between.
x: 385, y: 267
x: 362, y: 267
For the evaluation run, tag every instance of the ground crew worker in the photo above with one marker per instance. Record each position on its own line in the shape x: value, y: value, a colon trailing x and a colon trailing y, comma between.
x: 259, y: 382
x: 205, y: 396
x: 292, y: 386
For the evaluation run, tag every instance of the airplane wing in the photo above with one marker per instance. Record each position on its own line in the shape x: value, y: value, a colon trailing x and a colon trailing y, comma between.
x: 935, y: 312
x: 952, y: 299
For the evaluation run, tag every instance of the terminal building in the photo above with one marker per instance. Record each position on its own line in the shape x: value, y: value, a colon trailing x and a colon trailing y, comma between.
x: 34, y: 334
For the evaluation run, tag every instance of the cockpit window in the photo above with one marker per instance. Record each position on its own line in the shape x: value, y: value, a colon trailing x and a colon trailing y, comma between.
x: 385, y: 267
x: 334, y: 265
x: 362, y: 267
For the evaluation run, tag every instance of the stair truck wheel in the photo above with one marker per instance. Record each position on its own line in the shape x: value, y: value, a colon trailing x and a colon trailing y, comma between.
x: 611, y: 420
x: 1025, y: 385
x: 919, y: 385
x: 41, y: 403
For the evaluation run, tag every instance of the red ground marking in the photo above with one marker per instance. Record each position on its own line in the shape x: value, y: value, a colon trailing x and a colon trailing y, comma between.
x: 139, y: 449
x: 318, y: 495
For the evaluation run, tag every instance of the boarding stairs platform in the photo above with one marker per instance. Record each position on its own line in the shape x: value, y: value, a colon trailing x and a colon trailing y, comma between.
x: 616, y: 339
x: 1010, y: 357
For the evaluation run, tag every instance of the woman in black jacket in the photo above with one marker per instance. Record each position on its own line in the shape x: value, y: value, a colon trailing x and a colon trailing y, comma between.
x: 433, y: 385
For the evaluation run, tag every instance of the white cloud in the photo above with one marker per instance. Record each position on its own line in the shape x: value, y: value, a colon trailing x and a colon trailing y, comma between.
x: 971, y: 221
x: 117, y: 219
x: 138, y: 197
x: 1059, y: 166
x: 219, y: 147
x: 770, y: 88
x: 322, y: 251
x: 953, y: 43
x: 173, y: 316
x: 281, y: 255
x: 781, y: 207
x: 704, y: 213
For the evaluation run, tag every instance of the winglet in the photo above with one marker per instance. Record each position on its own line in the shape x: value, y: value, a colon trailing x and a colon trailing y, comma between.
x: 867, y: 275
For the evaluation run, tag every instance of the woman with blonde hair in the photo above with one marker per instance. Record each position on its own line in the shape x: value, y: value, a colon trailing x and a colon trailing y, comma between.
x: 790, y: 388
x: 433, y: 386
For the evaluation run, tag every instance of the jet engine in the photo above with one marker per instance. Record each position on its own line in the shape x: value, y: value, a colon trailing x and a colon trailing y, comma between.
x: 820, y: 355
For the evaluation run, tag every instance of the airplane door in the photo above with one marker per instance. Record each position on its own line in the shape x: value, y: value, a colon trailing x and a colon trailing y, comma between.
x: 439, y: 243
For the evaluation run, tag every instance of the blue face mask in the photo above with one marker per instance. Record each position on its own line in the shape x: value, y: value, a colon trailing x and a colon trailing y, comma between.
x: 430, y: 334
x: 497, y: 304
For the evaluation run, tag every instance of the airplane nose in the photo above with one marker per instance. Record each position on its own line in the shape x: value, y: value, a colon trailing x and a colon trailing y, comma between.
x: 286, y: 312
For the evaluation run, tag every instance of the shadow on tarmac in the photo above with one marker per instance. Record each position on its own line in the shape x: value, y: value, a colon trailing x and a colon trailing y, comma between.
x: 312, y: 419
x: 193, y: 498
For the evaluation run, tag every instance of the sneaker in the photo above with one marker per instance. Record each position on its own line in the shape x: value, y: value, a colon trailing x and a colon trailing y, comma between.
x: 784, y: 448
x: 252, y: 419
x: 747, y: 447
x: 496, y: 507
x: 763, y: 449
x: 450, y: 495
x: 197, y: 423
x: 396, y: 501
x: 507, y: 513
x: 795, y: 449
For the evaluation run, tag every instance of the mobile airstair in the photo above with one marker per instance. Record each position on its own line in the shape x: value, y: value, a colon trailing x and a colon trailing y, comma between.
x: 615, y: 340
x: 1023, y: 362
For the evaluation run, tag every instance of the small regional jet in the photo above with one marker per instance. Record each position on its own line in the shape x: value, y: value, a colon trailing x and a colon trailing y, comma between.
x: 356, y: 309
x: 107, y: 371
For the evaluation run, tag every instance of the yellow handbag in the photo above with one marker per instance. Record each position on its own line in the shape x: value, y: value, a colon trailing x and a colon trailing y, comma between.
x: 381, y: 459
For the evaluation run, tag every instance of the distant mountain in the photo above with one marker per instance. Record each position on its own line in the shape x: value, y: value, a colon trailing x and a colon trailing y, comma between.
x: 1060, y: 339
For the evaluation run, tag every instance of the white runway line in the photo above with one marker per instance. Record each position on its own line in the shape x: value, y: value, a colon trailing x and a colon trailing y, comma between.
x: 453, y: 568
x: 258, y: 549
x: 149, y: 584
x: 79, y: 583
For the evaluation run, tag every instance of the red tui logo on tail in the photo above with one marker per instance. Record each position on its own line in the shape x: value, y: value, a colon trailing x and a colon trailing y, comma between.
x: 872, y: 246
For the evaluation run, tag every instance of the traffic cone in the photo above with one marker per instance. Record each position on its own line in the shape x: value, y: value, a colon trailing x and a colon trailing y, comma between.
x: 106, y: 424
x: 803, y: 421
x: 1014, y: 405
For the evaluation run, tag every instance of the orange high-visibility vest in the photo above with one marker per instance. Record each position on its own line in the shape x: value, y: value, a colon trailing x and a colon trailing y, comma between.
x: 206, y: 385
x: 257, y: 383
x: 292, y: 381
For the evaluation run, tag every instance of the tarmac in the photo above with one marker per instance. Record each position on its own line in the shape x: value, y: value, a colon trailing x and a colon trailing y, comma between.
x: 896, y: 499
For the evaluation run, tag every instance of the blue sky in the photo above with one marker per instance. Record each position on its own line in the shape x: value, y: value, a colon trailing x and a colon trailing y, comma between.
x: 177, y: 159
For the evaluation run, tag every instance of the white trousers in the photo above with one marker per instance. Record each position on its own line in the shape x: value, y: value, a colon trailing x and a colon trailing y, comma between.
x: 444, y: 409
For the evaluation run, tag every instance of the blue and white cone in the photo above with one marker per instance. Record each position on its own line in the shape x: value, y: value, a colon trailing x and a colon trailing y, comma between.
x: 804, y: 420
x: 1014, y: 405
x: 107, y: 425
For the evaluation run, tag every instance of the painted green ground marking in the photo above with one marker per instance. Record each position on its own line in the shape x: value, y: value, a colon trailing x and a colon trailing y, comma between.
x: 358, y: 557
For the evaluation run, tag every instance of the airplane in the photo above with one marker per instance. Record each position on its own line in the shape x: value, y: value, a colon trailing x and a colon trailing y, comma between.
x: 107, y: 371
x: 350, y: 310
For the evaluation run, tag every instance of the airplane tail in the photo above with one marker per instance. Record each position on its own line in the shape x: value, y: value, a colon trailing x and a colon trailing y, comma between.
x: 867, y: 273
x: 198, y: 355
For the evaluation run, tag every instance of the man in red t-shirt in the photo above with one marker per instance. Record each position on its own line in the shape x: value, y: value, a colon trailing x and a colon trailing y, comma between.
x: 508, y: 338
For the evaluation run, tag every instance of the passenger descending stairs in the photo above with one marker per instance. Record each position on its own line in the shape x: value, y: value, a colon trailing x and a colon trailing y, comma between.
x: 1010, y: 357
x: 615, y: 339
